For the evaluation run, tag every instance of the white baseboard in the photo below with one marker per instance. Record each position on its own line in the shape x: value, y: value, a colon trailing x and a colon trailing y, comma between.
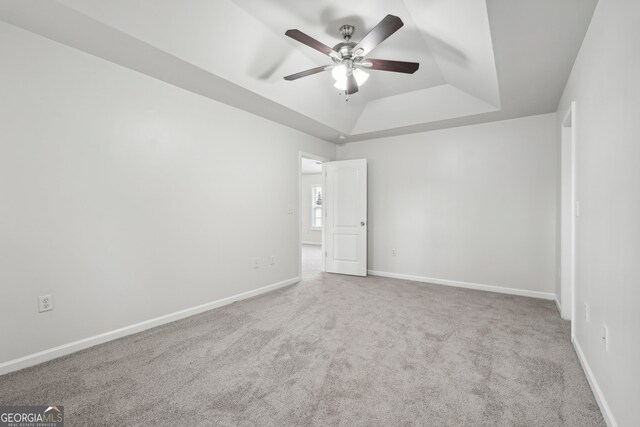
x: 72, y: 347
x: 467, y: 285
x: 595, y: 388
x: 312, y: 243
x: 558, y: 306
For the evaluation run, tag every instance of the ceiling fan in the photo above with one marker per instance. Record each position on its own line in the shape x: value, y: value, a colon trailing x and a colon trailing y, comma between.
x: 349, y: 58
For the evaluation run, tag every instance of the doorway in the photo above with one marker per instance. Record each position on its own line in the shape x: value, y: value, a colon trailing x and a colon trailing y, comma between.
x: 311, y: 214
x: 569, y: 211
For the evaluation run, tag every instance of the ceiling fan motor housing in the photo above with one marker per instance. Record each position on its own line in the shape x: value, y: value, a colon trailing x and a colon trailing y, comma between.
x: 345, y: 48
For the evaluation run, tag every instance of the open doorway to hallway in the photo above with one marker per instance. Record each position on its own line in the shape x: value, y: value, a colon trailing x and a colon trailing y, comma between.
x: 311, y: 214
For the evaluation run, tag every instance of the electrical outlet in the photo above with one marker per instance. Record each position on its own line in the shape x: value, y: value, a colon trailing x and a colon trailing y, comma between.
x: 45, y: 303
x: 256, y: 263
x: 605, y: 337
x: 393, y: 252
x: 273, y: 260
x: 587, y: 314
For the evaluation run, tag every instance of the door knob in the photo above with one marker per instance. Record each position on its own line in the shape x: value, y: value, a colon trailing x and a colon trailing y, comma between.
x: 362, y: 223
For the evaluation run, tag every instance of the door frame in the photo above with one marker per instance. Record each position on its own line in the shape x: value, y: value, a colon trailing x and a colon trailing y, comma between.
x: 569, y: 211
x: 301, y: 155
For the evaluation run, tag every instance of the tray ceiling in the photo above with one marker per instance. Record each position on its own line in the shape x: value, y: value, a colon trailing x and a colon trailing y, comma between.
x: 235, y: 51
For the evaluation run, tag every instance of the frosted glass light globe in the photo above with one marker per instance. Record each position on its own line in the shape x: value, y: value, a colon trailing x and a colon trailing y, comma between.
x: 339, y: 72
x: 361, y: 76
x: 341, y: 82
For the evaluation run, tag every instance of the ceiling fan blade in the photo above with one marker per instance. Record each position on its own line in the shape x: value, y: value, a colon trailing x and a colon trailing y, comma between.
x: 352, y: 85
x: 312, y: 43
x: 306, y: 73
x: 395, y: 66
x: 389, y: 25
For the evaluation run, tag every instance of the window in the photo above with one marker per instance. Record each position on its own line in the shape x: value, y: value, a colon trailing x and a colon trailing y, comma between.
x: 316, y: 207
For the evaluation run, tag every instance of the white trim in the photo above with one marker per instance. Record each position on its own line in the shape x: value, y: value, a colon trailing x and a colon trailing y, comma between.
x: 558, y: 306
x: 467, y: 285
x: 312, y: 243
x: 595, y: 388
x: 72, y: 347
x: 568, y: 213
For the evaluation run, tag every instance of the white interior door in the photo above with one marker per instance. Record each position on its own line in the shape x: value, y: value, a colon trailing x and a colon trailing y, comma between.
x: 345, y: 231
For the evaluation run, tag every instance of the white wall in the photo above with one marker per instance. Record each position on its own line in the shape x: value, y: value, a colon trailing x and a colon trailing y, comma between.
x: 473, y: 204
x: 605, y: 85
x: 308, y: 181
x: 127, y: 198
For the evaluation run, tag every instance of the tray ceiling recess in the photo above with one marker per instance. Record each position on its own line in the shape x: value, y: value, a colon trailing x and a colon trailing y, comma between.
x: 479, y: 60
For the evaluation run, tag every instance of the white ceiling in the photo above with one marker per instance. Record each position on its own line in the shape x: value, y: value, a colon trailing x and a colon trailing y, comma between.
x: 479, y: 60
x: 310, y: 166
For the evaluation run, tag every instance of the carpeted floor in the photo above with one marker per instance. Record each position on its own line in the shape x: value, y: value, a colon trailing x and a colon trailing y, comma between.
x: 311, y: 260
x: 331, y: 350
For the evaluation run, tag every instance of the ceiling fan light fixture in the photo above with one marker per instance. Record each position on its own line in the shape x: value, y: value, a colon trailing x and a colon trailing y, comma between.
x: 339, y: 73
x: 361, y: 76
x: 341, y: 82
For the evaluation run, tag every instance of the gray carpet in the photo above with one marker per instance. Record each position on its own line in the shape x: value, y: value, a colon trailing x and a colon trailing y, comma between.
x: 331, y: 350
x: 311, y: 260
